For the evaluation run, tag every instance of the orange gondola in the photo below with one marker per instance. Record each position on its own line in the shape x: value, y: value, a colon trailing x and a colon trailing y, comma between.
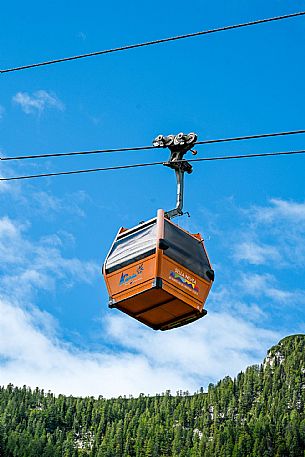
x: 157, y: 272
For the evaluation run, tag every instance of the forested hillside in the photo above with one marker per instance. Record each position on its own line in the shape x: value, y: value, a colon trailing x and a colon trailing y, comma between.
x: 260, y: 413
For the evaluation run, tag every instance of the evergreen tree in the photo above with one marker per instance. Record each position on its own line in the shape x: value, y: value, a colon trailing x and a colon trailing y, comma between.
x: 260, y: 413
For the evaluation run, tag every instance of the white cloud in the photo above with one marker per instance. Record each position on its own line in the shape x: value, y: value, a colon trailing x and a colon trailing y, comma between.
x: 279, y: 209
x: 38, y: 102
x: 266, y: 285
x: 255, y: 253
x: 255, y: 283
x: 82, y: 36
x: 2, y: 112
x: 45, y: 203
x: 272, y: 235
x: 237, y: 300
x: 285, y: 296
x: 4, y: 187
x: 7, y: 189
x: 40, y: 202
x: 38, y: 360
x: 27, y: 265
x: 215, y: 346
x: 147, y: 361
x: 132, y: 358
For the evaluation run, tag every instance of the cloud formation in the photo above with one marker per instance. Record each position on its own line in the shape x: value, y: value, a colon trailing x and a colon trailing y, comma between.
x: 2, y: 112
x: 132, y: 358
x: 38, y: 102
x: 255, y: 253
x: 278, y: 210
x: 146, y: 361
x: 272, y: 235
x: 27, y: 265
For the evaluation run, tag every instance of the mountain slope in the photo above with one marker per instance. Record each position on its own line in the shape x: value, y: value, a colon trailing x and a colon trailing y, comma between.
x: 260, y: 413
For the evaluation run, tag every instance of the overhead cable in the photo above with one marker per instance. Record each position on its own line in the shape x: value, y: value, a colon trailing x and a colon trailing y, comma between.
x: 251, y: 137
x: 154, y: 42
x: 142, y: 148
x: 150, y: 164
x: 74, y: 153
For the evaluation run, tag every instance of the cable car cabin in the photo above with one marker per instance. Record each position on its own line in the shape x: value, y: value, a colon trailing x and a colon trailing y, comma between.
x: 159, y: 274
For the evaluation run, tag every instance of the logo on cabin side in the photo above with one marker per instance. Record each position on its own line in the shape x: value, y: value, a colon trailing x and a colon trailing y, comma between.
x: 130, y: 279
x: 187, y: 282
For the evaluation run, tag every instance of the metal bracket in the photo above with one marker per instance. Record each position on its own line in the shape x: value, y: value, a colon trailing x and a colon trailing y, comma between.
x: 178, y: 146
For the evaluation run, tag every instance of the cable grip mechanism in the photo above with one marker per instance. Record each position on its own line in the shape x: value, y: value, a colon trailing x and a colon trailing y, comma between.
x: 178, y: 145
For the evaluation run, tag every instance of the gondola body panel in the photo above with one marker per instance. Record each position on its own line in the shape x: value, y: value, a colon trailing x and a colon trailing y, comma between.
x: 147, y: 274
x: 132, y: 279
x: 190, y: 287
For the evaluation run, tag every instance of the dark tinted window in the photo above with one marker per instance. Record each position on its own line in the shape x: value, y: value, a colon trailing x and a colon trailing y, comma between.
x: 186, y: 250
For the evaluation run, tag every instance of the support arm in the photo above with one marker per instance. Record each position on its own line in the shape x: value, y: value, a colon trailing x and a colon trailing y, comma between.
x: 180, y: 193
x: 178, y: 145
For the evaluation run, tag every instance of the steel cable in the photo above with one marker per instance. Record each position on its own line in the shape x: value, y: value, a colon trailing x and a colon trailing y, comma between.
x: 154, y: 42
x: 138, y: 165
x: 142, y: 148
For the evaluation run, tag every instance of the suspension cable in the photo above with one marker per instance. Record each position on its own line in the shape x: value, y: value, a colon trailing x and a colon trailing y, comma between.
x: 138, y: 165
x: 142, y: 148
x: 154, y: 42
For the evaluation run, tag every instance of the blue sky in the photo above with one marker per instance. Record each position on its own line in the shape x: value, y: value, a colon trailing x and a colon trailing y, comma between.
x: 56, y: 331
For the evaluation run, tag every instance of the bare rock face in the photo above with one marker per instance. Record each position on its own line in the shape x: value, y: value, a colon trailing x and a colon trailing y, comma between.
x: 289, y: 351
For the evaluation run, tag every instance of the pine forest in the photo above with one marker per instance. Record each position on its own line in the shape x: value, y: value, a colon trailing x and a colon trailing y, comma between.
x: 260, y: 413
